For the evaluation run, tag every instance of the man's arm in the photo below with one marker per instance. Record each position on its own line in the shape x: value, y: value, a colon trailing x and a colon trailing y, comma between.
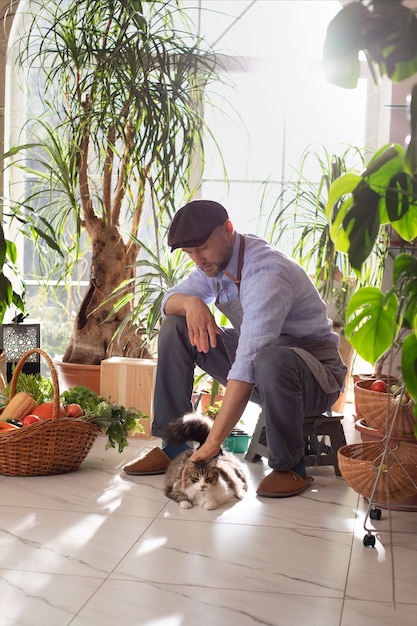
x: 235, y: 399
x: 202, y: 328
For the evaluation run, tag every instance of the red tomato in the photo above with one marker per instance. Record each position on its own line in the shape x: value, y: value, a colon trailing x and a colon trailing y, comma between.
x: 379, y: 385
x: 30, y: 419
x: 74, y: 410
x: 46, y: 409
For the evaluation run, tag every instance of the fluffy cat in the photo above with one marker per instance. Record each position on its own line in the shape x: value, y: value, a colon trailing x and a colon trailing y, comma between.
x: 208, y: 484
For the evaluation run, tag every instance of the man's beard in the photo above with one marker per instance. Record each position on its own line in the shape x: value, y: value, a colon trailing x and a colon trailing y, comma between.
x: 217, y: 268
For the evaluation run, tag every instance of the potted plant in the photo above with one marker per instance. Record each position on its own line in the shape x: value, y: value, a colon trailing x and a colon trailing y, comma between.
x: 302, y: 214
x: 121, y: 87
x: 385, y: 193
x: 207, y: 393
x: 10, y: 295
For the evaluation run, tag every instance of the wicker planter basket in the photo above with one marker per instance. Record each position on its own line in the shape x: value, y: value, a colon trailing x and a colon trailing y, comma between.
x: 379, y: 410
x: 54, y: 446
x: 359, y: 464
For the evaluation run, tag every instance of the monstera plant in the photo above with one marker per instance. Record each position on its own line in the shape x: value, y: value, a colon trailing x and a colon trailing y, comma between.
x: 385, y: 193
x: 120, y: 89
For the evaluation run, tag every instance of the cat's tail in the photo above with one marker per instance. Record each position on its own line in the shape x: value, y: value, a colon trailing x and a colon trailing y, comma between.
x: 191, y: 427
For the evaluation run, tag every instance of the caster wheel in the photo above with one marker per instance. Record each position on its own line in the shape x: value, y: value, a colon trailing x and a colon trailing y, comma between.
x: 375, y: 514
x: 369, y: 540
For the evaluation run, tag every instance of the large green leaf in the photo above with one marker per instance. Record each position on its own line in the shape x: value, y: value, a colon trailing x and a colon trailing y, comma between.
x: 336, y: 209
x: 342, y: 44
x: 362, y: 225
x: 386, y: 32
x: 384, y: 164
x: 409, y: 365
x: 372, y: 322
x: 401, y: 204
x: 2, y: 247
x: 405, y: 280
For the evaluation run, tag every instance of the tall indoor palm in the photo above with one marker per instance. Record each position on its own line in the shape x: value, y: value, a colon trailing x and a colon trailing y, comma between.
x: 121, y: 88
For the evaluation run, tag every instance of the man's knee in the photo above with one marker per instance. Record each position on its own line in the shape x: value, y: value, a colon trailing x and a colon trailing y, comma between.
x: 173, y: 329
x: 172, y: 325
x: 280, y: 362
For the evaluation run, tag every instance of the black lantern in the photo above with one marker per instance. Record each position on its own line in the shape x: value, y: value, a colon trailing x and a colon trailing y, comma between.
x: 16, y: 340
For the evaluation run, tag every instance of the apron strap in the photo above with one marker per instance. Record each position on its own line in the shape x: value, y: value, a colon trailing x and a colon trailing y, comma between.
x: 237, y: 279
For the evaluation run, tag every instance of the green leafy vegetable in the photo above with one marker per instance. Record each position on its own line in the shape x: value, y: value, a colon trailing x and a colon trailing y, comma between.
x: 85, y: 397
x: 114, y: 419
x: 35, y: 384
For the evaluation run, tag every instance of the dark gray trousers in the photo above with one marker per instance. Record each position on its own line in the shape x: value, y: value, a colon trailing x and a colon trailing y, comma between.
x: 285, y: 388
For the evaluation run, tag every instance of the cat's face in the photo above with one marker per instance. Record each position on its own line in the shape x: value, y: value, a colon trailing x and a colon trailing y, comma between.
x: 200, y: 476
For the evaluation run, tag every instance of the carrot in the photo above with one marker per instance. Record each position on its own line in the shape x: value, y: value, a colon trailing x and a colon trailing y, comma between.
x: 6, y: 426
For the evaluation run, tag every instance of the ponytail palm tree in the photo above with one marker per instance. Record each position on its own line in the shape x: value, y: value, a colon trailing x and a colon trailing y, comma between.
x: 121, y: 86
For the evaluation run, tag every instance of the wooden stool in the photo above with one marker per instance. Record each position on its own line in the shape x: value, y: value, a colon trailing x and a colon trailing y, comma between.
x: 316, y: 429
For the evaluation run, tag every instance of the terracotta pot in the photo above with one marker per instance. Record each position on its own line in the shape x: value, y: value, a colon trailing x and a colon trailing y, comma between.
x: 75, y: 374
x: 204, y: 400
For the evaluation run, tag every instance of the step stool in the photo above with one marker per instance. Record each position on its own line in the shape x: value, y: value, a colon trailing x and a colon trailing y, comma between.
x: 315, y: 430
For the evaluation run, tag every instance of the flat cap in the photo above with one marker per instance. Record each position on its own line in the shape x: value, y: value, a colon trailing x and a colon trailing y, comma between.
x: 194, y: 222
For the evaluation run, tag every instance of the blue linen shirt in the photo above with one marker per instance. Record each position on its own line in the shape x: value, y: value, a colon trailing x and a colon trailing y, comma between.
x: 277, y: 304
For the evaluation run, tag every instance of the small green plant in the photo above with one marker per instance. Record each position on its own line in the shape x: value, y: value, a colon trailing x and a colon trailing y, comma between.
x: 213, y: 409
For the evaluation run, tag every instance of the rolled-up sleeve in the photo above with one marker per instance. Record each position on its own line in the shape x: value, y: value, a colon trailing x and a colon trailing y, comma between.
x: 196, y: 284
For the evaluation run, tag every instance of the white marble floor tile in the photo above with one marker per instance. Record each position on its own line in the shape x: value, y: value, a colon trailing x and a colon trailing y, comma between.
x: 373, y: 570
x: 240, y: 557
x: 85, y: 490
x: 373, y: 613
x: 64, y: 542
x: 140, y: 604
x: 32, y: 598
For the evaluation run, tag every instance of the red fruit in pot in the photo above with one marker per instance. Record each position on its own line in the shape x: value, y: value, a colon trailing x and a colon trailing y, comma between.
x: 379, y: 385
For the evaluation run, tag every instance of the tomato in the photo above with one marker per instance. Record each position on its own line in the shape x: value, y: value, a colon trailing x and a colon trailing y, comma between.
x: 379, y: 385
x: 30, y: 419
x: 46, y: 409
x: 74, y: 410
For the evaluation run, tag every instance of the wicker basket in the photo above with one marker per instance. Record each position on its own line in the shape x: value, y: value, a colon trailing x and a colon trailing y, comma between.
x: 378, y: 409
x: 54, y: 446
x: 359, y: 464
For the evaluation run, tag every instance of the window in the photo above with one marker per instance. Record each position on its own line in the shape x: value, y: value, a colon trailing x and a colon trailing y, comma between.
x: 279, y: 104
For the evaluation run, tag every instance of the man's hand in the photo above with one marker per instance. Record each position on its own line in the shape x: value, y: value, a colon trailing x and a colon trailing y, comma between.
x: 205, y: 452
x: 235, y: 399
x: 202, y: 328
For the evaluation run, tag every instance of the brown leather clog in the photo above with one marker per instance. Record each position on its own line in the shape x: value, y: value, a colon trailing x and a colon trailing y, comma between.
x: 154, y: 461
x: 283, y: 484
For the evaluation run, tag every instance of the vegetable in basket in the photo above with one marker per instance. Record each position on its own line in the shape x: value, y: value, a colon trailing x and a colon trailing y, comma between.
x: 114, y: 419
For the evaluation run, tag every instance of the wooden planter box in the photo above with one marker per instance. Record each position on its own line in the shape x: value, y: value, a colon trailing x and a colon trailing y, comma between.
x: 130, y: 382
